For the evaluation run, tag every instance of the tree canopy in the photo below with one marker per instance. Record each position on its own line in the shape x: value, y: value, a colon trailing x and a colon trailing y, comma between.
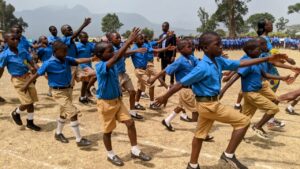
x: 111, y: 23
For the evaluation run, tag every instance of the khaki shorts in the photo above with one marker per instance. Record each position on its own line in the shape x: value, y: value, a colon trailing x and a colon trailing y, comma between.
x: 74, y: 70
x: 256, y: 100
x: 187, y: 99
x: 126, y: 82
x: 111, y: 111
x: 142, y: 77
x: 211, y: 111
x: 64, y: 99
x: 28, y: 97
x: 267, y: 91
x: 150, y: 70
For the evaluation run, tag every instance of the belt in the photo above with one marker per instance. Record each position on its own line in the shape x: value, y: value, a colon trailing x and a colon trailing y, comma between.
x: 143, y: 68
x: 22, y: 76
x: 207, y: 98
x: 61, y: 88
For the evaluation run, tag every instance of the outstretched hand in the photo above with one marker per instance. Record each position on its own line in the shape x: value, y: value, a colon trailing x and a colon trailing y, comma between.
x: 162, y: 100
x: 277, y: 57
x: 133, y: 35
x: 87, y: 21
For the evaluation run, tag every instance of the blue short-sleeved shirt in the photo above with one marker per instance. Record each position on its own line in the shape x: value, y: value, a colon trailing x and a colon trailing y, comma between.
x: 58, y: 72
x: 121, y: 67
x: 52, y: 39
x: 17, y: 65
x: 24, y: 44
x: 149, y: 46
x: 182, y: 66
x: 205, y: 78
x: 85, y: 51
x: 45, y: 53
x: 251, y: 76
x: 108, y: 82
x: 72, y: 50
x: 139, y: 59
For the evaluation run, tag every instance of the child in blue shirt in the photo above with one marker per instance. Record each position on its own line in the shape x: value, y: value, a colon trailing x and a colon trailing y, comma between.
x: 18, y: 62
x: 53, y: 37
x: 110, y: 105
x: 205, y: 80
x: 58, y: 69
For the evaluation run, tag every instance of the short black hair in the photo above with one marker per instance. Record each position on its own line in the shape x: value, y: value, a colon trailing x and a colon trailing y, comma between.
x: 50, y: 27
x: 166, y: 23
x: 204, y: 39
x: 100, y: 47
x: 82, y: 33
x: 59, y: 45
x: 182, y: 43
x: 250, y: 45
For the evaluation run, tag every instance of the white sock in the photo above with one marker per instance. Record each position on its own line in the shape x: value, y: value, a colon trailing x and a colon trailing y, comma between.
x: 18, y: 111
x: 170, y: 117
x: 30, y: 116
x: 183, y: 115
x: 132, y: 112
x: 143, y: 93
x: 136, y: 103
x: 82, y: 98
x: 75, y: 128
x: 135, y: 150
x: 291, y: 108
x: 237, y: 104
x: 228, y: 155
x: 110, y: 154
x: 60, y: 125
x: 271, y: 120
x: 193, y: 165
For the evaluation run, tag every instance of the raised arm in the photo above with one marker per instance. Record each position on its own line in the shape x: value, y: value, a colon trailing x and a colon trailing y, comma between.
x: 273, y: 58
x: 158, y: 76
x: 234, y: 78
x: 285, y: 66
x: 86, y: 22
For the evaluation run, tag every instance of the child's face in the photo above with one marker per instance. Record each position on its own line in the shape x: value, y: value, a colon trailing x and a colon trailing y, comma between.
x: 44, y: 40
x: 108, y: 53
x: 140, y: 40
x: 13, y: 41
x: 17, y: 32
x: 116, y: 39
x: 84, y: 38
x: 214, y: 48
x: 145, y: 38
x: 53, y: 31
x: 61, y: 53
x: 68, y: 31
x: 269, y: 26
x: 187, y: 49
x: 255, y: 52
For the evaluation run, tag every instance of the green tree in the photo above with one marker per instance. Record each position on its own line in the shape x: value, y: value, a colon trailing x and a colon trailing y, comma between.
x: 231, y: 13
x: 126, y: 34
x: 148, y: 32
x: 281, y: 24
x: 7, y: 17
x: 207, y: 23
x: 255, y: 18
x: 294, y: 8
x: 111, y: 23
x: 221, y: 32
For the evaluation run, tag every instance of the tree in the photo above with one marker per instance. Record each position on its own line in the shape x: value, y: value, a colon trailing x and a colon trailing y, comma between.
x: 281, y: 24
x: 148, y: 32
x: 255, y: 18
x: 221, y: 32
x: 207, y: 23
x: 294, y: 8
x: 126, y: 34
x: 111, y: 23
x: 231, y: 13
x: 7, y: 17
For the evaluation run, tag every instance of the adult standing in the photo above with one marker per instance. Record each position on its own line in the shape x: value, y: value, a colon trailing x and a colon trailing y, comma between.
x: 167, y: 57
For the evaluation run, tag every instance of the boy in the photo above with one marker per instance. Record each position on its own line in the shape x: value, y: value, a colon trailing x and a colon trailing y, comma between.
x: 256, y: 94
x: 53, y: 37
x: 18, y: 62
x: 58, y: 69
x: 124, y: 79
x: 23, y: 42
x: 140, y: 62
x: 205, y: 80
x: 110, y: 105
x: 85, y: 50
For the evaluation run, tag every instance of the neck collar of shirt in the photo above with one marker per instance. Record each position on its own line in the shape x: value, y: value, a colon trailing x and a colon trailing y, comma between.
x: 56, y: 59
x: 207, y: 59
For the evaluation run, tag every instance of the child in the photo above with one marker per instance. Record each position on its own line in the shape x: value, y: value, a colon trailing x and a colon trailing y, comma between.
x: 58, y: 69
x: 23, y: 42
x: 256, y: 94
x: 205, y: 80
x: 140, y: 62
x: 19, y: 62
x: 110, y: 105
x: 85, y: 50
x: 44, y: 52
x: 124, y: 78
x: 53, y: 37
x: 68, y: 39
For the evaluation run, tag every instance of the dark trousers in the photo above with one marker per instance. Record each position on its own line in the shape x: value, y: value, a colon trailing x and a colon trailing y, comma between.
x: 164, y: 64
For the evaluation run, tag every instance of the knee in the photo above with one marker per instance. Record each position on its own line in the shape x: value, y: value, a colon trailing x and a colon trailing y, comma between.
x: 129, y: 123
x: 132, y: 92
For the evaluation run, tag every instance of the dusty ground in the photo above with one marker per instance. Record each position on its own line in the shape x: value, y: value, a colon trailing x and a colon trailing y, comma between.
x: 29, y: 150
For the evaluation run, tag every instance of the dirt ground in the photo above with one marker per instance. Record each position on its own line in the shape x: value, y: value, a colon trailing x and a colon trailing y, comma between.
x: 25, y: 149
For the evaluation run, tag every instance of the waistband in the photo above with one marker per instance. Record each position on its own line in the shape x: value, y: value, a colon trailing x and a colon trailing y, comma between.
x: 207, y: 98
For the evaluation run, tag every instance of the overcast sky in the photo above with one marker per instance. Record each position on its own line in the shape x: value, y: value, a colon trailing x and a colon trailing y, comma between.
x: 177, y: 12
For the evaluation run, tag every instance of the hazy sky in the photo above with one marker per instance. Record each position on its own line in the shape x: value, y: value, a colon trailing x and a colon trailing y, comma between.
x: 181, y: 13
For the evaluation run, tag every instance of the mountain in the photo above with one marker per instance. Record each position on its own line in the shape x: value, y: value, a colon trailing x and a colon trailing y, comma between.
x: 41, y: 18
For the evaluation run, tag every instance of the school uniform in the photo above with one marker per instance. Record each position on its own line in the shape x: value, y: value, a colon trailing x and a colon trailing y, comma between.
x: 109, y: 102
x: 253, y: 91
x: 59, y: 79
x: 44, y: 53
x: 52, y: 39
x: 85, y: 51
x: 150, y: 57
x: 205, y: 80
x: 124, y: 79
x: 181, y: 67
x: 17, y: 66
x: 24, y: 44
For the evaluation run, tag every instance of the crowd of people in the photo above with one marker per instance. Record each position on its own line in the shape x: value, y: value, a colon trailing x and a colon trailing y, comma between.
x: 63, y: 61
